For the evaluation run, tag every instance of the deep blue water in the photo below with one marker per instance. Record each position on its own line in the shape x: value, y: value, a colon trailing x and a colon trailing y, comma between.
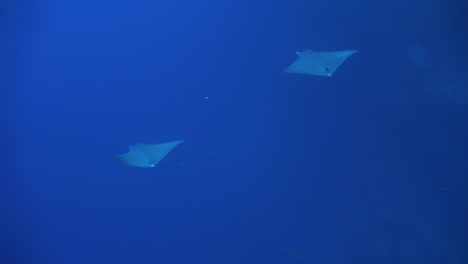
x: 367, y: 166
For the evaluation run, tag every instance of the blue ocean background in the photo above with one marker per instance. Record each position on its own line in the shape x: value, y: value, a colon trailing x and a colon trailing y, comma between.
x: 367, y: 166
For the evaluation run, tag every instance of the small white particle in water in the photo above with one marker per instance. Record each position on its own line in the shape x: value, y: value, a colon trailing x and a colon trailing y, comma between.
x: 206, y: 97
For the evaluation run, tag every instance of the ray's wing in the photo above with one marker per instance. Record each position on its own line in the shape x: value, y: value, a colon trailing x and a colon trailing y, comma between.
x: 147, y: 156
x: 157, y: 152
x: 319, y: 63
